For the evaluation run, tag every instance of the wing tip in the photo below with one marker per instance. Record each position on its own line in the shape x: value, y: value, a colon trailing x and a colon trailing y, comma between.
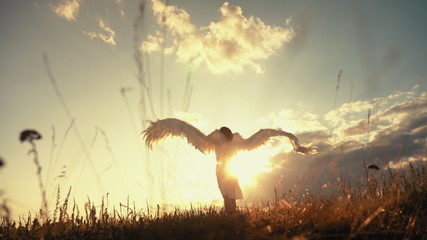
x: 306, y: 150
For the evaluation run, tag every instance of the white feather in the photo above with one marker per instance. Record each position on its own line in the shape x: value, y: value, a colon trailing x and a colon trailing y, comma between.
x: 263, y: 135
x: 174, y: 127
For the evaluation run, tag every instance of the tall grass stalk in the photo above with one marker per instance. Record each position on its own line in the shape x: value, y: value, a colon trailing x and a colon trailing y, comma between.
x: 4, y: 208
x: 70, y: 118
x: 114, y: 160
x: 52, y: 148
x: 87, y: 160
x: 145, y: 91
x: 143, y: 82
x: 187, y: 92
x: 351, y: 91
x: 337, y: 88
x: 49, y: 178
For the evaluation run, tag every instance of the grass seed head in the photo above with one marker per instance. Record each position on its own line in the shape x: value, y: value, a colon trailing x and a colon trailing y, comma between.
x: 29, y: 135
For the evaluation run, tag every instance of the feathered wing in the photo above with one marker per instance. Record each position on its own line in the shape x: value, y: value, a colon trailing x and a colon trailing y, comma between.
x: 174, y: 127
x: 263, y: 135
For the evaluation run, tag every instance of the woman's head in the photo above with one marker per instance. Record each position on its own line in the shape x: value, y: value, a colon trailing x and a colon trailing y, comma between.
x: 227, y: 133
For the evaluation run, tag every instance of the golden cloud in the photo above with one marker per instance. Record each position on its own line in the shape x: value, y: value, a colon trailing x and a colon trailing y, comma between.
x: 67, y: 9
x: 107, y: 35
x: 229, y: 45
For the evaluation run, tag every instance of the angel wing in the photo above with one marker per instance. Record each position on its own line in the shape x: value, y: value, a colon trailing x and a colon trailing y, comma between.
x: 263, y: 135
x: 174, y: 127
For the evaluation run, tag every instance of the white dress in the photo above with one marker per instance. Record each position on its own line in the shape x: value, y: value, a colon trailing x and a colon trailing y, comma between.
x: 225, y: 151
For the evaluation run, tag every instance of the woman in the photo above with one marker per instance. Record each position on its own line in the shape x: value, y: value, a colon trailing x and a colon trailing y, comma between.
x: 224, y: 143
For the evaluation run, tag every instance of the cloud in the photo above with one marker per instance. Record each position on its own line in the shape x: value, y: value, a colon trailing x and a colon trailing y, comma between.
x: 338, y: 116
x: 397, y: 137
x: 293, y: 121
x: 154, y: 44
x: 120, y: 3
x: 107, y: 35
x: 351, y: 119
x: 228, y: 45
x: 67, y: 9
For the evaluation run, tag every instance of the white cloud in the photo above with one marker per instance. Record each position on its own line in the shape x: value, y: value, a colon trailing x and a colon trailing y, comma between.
x: 293, y: 121
x: 405, y: 163
x: 397, y: 137
x: 396, y: 129
x: 392, y: 112
x: 346, y: 111
x: 154, y: 44
x: 120, y: 3
x: 228, y: 45
x: 67, y: 9
x: 107, y: 34
x: 350, y: 120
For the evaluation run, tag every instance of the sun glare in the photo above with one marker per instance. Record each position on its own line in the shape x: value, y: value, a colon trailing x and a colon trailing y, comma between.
x: 247, y: 165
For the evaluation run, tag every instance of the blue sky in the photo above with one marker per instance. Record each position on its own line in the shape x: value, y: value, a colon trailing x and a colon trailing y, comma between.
x: 287, y: 79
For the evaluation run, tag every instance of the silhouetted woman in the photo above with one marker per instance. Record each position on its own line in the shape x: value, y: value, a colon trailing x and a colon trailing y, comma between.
x: 224, y: 143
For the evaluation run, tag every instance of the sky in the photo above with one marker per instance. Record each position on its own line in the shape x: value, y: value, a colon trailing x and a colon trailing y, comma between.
x: 348, y: 77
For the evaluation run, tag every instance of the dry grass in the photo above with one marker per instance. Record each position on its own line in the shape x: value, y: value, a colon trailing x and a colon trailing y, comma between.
x: 390, y: 206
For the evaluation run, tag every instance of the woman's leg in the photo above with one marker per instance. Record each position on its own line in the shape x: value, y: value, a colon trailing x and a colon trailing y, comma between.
x: 233, y: 205
x: 229, y: 204
x: 226, y: 204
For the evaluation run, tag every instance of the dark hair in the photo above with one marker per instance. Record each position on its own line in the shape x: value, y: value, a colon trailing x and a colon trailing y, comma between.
x: 227, y: 133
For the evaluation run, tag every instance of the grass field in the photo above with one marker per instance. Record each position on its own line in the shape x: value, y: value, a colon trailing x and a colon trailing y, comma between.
x: 392, y: 205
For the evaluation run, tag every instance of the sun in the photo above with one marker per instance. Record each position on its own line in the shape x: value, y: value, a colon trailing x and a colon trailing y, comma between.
x: 248, y: 165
